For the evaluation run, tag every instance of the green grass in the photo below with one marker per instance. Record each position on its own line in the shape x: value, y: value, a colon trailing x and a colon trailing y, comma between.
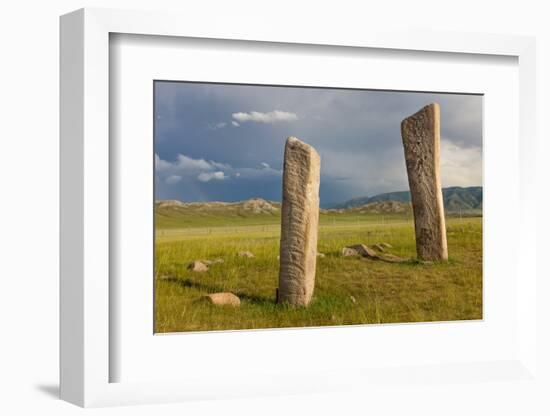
x: 383, y: 292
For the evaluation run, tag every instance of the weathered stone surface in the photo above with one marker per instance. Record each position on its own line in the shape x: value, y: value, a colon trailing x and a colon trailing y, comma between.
x: 245, y: 254
x: 421, y: 142
x: 369, y: 253
x: 364, y: 250
x: 223, y: 299
x: 347, y: 252
x: 197, y: 266
x: 379, y: 247
x: 299, y: 223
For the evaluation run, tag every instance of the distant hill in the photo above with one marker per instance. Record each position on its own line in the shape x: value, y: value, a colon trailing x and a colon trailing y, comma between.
x: 455, y: 199
x: 174, y: 213
x: 241, y: 208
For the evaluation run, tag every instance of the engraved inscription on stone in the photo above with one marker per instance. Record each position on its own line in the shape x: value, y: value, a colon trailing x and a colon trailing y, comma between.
x: 421, y: 142
x: 299, y: 223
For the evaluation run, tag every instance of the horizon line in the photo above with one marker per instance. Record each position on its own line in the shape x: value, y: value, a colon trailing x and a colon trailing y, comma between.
x: 278, y: 201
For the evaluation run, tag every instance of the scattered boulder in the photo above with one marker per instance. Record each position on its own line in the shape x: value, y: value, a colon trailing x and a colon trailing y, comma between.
x: 223, y: 299
x: 347, y: 251
x: 369, y: 252
x: 379, y: 247
x: 197, y: 266
x: 247, y: 254
x: 364, y: 250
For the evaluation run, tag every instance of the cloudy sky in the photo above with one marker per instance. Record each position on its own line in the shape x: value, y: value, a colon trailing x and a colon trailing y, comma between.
x: 223, y: 142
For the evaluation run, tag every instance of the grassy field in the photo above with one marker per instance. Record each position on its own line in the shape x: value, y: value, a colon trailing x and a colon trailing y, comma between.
x: 349, y: 290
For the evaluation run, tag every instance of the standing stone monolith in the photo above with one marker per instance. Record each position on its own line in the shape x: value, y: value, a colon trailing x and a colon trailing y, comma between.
x: 421, y: 141
x: 299, y: 223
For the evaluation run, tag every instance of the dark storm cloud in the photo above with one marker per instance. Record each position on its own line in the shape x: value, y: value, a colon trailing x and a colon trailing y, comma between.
x: 226, y: 142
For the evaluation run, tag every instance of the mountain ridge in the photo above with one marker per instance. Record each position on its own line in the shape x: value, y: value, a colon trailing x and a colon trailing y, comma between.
x: 455, y: 199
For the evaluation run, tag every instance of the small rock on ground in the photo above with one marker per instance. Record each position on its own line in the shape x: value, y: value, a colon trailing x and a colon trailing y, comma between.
x: 347, y: 251
x: 197, y: 266
x: 370, y: 253
x: 379, y: 247
x: 321, y: 255
x: 364, y: 250
x: 223, y: 299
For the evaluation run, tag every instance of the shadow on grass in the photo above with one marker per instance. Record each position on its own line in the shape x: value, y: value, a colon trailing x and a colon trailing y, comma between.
x: 211, y: 288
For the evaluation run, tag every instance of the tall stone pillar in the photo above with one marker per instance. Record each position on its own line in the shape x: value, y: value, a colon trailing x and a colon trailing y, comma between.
x: 421, y: 141
x: 299, y: 223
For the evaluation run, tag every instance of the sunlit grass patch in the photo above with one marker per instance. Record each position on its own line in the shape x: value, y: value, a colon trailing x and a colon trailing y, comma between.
x: 349, y: 290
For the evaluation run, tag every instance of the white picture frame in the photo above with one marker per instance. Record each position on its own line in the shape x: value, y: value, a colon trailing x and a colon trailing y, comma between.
x: 86, y: 356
